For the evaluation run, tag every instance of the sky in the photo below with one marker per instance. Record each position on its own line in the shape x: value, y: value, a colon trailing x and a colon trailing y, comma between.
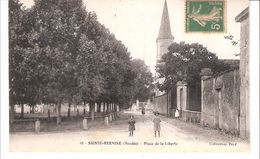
x: 136, y: 23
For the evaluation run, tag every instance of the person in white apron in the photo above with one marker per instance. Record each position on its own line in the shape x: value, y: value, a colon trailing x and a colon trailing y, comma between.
x: 177, y: 114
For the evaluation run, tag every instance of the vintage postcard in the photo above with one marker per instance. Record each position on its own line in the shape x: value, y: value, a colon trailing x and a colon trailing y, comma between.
x: 131, y: 76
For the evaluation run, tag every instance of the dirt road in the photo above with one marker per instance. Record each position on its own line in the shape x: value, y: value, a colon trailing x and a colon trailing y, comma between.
x: 176, y: 136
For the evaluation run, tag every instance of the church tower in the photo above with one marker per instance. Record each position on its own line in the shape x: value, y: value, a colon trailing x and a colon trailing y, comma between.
x: 163, y: 41
x: 165, y: 37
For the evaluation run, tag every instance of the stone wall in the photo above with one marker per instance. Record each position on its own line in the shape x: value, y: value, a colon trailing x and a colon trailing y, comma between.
x: 243, y: 18
x: 191, y: 116
x: 220, y: 101
x: 173, y: 102
x: 162, y: 104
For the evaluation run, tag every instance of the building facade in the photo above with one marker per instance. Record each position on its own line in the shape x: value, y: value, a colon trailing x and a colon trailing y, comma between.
x: 243, y: 18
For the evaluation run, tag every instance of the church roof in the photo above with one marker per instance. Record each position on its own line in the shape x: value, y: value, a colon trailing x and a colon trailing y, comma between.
x: 165, y: 28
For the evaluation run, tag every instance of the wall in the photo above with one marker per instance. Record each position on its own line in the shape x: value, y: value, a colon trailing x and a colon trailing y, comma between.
x: 243, y: 18
x: 190, y: 116
x: 162, y: 104
x: 194, y: 98
x: 173, y: 99
x: 220, y: 101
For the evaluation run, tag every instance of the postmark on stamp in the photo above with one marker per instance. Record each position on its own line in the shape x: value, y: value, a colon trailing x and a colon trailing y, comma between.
x: 205, y: 16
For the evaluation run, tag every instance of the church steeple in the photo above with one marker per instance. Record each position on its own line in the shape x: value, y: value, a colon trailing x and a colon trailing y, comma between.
x: 165, y: 27
x: 163, y: 41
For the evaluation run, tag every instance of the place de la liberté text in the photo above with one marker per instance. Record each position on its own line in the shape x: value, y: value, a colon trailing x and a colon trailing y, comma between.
x: 166, y: 143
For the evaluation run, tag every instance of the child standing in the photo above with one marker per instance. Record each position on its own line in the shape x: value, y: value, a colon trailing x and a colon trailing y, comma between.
x: 131, y: 123
x: 143, y: 110
x: 157, y: 124
x: 177, y: 114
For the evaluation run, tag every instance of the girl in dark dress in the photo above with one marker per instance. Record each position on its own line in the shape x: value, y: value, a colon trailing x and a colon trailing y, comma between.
x: 143, y: 111
x: 131, y: 123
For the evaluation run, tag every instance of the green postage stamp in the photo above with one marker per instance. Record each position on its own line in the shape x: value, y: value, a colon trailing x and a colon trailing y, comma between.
x: 205, y: 16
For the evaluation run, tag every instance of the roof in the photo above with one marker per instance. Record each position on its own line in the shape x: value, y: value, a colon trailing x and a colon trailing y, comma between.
x: 232, y: 62
x: 241, y: 16
x: 165, y: 27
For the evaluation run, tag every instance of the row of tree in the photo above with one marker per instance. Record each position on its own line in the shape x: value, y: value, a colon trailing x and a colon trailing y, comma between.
x: 59, y: 53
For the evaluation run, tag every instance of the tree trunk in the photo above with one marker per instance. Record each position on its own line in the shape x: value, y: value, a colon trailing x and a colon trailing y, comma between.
x: 49, y: 115
x: 69, y: 110
x: 84, y: 109
x: 104, y: 107
x: 49, y: 111
x: 77, y: 112
x: 22, y: 111
x: 92, y: 109
x: 59, y: 114
x: 99, y: 107
x: 12, y: 113
x: 119, y: 108
x: 33, y: 109
x: 55, y: 108
x: 107, y: 107
x: 114, y: 106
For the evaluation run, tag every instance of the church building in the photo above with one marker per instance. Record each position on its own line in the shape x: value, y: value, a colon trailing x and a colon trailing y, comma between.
x: 165, y: 38
x: 187, y: 98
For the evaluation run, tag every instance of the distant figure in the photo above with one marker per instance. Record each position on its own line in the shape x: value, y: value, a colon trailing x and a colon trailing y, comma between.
x: 131, y: 123
x: 77, y: 112
x: 157, y: 124
x: 143, y: 110
x: 36, y: 109
x: 177, y: 114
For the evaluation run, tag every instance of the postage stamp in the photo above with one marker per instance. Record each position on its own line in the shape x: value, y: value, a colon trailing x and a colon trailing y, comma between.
x: 205, y: 15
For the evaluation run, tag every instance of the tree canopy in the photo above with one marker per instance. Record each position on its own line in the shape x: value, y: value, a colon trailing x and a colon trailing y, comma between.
x: 184, y: 62
x: 143, y: 87
x: 60, y: 53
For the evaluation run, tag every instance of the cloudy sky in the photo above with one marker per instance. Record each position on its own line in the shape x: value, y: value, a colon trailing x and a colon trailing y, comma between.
x: 136, y: 23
